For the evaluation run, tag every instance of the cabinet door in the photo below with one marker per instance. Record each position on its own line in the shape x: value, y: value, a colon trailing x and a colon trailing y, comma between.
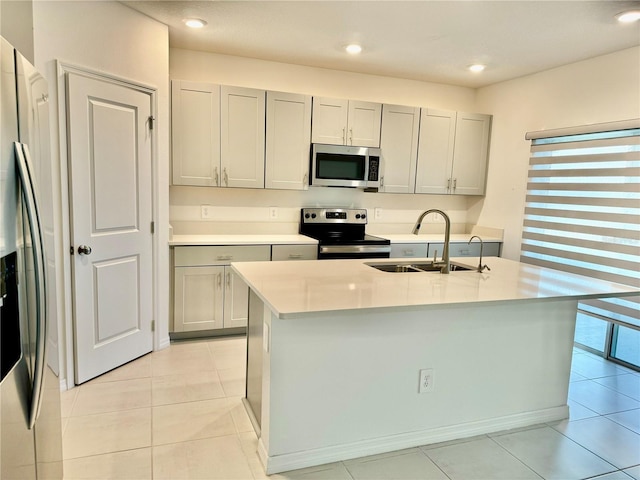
x: 294, y: 252
x: 399, y: 145
x: 236, y: 300
x: 470, y: 154
x: 288, y: 141
x: 242, y: 121
x: 329, y: 121
x: 195, y: 133
x: 435, y: 151
x: 198, y: 298
x: 364, y: 124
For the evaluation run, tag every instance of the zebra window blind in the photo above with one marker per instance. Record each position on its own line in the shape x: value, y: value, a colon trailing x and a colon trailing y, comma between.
x: 582, y: 212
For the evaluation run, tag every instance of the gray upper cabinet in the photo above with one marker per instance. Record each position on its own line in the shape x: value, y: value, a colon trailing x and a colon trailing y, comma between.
x: 195, y: 133
x: 346, y: 122
x: 399, y: 146
x: 287, y: 142
x: 453, y: 152
x: 242, y: 135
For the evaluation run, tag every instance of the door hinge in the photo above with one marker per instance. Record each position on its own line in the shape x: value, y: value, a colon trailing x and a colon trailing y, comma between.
x: 153, y: 325
x: 153, y: 228
x: 71, y: 250
x: 152, y: 119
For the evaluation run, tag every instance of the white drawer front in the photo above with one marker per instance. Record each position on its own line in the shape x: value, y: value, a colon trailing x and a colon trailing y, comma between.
x: 408, y: 250
x: 220, y: 255
x: 294, y: 252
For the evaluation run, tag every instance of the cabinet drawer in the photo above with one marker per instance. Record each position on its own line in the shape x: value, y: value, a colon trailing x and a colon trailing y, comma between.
x: 490, y: 249
x: 294, y: 252
x: 220, y: 255
x: 408, y: 250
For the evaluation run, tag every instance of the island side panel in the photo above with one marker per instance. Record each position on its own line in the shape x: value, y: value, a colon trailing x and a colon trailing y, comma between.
x: 344, y: 385
x: 255, y: 341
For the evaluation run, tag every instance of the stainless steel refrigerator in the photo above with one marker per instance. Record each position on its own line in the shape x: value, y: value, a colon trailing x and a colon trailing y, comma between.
x: 30, y: 419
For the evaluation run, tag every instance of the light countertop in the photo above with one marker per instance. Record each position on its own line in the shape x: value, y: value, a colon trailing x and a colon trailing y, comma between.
x: 262, y: 239
x: 434, y: 238
x: 293, y: 239
x: 303, y: 288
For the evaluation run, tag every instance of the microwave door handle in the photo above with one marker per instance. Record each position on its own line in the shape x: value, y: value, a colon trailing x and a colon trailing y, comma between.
x: 25, y: 173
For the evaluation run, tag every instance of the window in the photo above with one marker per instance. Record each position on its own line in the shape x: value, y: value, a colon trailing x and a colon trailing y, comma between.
x: 582, y: 215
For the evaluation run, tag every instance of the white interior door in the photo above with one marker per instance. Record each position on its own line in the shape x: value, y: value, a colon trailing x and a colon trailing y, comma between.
x: 111, y: 229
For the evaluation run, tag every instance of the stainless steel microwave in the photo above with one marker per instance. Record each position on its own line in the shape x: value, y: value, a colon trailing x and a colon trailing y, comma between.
x: 345, y: 166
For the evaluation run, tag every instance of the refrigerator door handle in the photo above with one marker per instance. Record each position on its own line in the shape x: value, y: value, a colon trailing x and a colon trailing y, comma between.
x: 23, y: 160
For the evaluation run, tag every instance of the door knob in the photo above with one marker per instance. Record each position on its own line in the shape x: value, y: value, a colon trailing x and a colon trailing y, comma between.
x: 84, y: 250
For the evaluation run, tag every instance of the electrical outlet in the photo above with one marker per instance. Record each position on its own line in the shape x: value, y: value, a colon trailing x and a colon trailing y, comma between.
x: 205, y: 211
x: 377, y: 213
x: 426, y: 381
x: 273, y: 212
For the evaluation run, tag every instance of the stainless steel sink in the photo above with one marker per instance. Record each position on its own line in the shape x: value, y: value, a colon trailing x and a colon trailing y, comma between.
x: 416, y: 267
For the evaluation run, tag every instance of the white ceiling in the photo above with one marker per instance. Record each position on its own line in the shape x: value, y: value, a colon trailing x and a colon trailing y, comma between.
x: 423, y: 40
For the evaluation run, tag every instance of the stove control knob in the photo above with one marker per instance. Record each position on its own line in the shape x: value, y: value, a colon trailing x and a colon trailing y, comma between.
x: 313, y: 215
x: 357, y: 215
x: 363, y: 216
x: 306, y: 215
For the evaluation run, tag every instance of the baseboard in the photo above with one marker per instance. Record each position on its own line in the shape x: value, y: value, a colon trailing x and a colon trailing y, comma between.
x: 293, y: 461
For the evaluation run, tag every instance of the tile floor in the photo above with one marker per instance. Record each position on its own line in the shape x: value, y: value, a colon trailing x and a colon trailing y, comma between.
x: 177, y: 414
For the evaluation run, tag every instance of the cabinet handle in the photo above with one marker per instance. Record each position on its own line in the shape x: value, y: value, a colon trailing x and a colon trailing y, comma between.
x: 465, y: 252
x: 305, y: 179
x: 344, y: 135
x: 351, y: 136
x: 224, y: 257
x: 407, y: 252
x: 225, y: 176
x: 219, y: 280
x: 228, y: 279
x: 455, y: 184
x: 448, y: 184
x: 295, y: 255
x: 216, y: 176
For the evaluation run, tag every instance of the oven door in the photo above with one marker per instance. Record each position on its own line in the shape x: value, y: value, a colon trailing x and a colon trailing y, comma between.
x: 339, y: 166
x: 326, y: 252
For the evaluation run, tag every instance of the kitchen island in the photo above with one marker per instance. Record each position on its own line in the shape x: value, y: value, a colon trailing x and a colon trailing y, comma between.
x: 345, y: 360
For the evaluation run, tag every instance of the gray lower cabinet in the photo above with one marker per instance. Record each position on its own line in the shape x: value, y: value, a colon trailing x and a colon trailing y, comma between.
x: 294, y: 252
x: 490, y: 249
x: 408, y: 250
x: 208, y: 295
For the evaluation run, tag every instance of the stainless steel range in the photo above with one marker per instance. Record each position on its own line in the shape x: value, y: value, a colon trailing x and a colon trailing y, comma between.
x: 340, y: 233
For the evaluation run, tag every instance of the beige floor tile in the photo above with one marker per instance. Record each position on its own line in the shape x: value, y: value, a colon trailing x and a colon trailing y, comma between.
x: 410, y: 464
x: 239, y: 414
x: 233, y: 381
x: 229, y: 353
x: 226, y: 344
x: 186, y: 387
x: 128, y: 465
x: 107, y: 433
x: 67, y: 400
x: 191, y: 421
x: 212, y: 458
x: 330, y: 471
x: 249, y: 442
x: 139, y: 368
x: 180, y: 358
x: 112, y: 396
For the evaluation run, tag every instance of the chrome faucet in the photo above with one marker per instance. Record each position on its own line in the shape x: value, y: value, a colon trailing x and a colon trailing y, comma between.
x: 480, y: 266
x: 444, y: 265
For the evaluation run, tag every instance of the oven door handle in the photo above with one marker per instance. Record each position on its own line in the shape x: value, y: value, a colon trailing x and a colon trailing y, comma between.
x: 355, y: 248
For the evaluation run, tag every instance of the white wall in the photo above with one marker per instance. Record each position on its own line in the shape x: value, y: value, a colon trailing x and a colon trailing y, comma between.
x: 17, y: 25
x: 246, y: 72
x: 601, y: 89
x: 109, y: 37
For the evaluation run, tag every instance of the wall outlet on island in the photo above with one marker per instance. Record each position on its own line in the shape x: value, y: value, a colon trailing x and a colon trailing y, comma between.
x: 426, y: 381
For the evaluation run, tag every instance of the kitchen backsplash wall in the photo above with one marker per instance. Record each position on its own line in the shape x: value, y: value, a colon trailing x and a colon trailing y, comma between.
x: 236, y: 210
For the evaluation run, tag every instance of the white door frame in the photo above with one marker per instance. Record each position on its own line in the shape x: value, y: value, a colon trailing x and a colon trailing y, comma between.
x: 160, y: 338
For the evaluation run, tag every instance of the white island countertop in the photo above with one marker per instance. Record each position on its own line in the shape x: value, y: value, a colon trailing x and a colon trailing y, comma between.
x: 303, y: 288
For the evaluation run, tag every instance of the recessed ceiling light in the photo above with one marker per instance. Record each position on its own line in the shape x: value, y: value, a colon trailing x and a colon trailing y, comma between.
x: 353, y: 49
x: 629, y: 17
x: 194, y: 22
x: 477, y: 67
